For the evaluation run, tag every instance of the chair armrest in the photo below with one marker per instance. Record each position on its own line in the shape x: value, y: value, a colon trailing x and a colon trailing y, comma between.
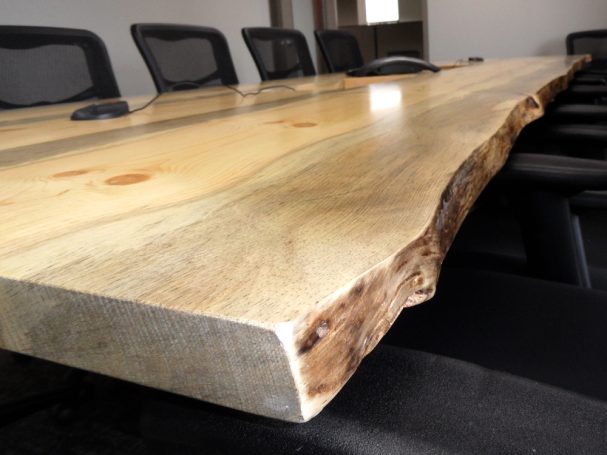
x: 577, y: 132
x: 594, y: 71
x: 587, y: 91
x: 555, y: 173
x: 578, y: 112
x: 591, y: 79
x: 590, y: 200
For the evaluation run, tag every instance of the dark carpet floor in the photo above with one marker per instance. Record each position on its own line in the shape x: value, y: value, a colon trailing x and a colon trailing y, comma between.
x: 104, y: 423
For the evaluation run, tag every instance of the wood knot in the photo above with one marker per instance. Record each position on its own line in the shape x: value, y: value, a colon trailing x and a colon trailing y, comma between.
x: 320, y: 331
x: 127, y: 179
x: 424, y: 291
x: 416, y: 279
x: 532, y: 103
x: 304, y: 125
x: 357, y: 290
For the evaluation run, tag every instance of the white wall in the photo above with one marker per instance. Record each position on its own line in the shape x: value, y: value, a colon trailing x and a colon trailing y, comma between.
x: 111, y: 20
x: 303, y: 20
x: 507, y: 28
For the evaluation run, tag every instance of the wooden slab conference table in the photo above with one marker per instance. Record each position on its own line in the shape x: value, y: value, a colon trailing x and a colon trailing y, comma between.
x: 248, y: 251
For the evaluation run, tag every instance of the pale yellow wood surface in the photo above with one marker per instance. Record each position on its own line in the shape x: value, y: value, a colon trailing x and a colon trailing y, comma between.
x: 248, y: 252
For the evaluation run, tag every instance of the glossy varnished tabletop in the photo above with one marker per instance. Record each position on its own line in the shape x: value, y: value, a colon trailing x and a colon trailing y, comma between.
x: 248, y: 251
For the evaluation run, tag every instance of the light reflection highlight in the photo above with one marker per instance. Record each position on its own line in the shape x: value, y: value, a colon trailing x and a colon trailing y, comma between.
x: 384, y: 97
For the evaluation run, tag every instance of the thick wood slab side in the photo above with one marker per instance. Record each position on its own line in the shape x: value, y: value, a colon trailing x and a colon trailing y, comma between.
x: 248, y: 253
x: 332, y: 341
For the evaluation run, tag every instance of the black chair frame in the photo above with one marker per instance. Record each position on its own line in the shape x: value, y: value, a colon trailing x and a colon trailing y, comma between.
x: 572, y: 37
x: 324, y: 37
x: 175, y: 32
x: 97, y: 58
x: 250, y: 34
x: 598, y: 64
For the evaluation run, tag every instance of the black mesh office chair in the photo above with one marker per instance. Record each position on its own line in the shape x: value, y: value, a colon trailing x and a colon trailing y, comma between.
x: 340, y: 50
x: 590, y: 84
x: 576, y: 119
x: 47, y: 65
x: 593, y: 42
x: 279, y: 53
x: 182, y: 57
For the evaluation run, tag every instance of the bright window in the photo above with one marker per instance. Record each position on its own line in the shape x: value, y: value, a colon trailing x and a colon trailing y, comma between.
x: 377, y: 11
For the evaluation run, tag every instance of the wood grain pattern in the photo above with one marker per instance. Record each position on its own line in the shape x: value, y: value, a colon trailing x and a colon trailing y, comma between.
x: 248, y: 252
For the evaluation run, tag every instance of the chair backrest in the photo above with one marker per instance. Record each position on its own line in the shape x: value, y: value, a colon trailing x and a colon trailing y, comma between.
x: 279, y: 53
x: 48, y: 65
x: 592, y: 42
x: 340, y: 50
x: 184, y: 56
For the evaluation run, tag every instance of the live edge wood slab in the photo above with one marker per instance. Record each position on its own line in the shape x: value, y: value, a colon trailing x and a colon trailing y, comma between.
x: 248, y: 252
